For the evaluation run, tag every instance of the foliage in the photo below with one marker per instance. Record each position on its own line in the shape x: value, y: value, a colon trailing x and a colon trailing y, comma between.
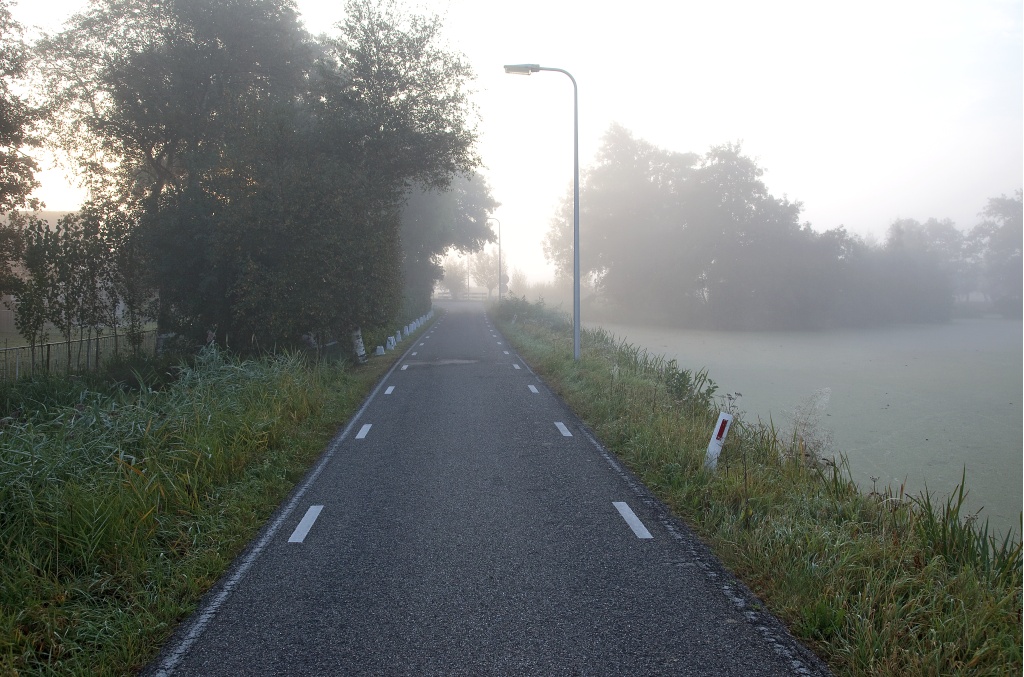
x: 435, y: 222
x: 996, y: 245
x: 878, y: 583
x: 414, y: 109
x: 124, y: 288
x: 83, y: 272
x: 31, y: 312
x: 12, y: 250
x: 269, y: 167
x: 699, y: 241
x: 17, y: 170
x: 483, y: 268
x: 456, y: 277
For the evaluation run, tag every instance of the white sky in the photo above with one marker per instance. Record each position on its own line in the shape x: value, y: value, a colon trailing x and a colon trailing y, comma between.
x: 866, y: 112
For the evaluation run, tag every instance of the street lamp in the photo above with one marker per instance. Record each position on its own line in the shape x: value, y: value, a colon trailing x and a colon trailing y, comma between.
x: 527, y: 69
x: 491, y: 218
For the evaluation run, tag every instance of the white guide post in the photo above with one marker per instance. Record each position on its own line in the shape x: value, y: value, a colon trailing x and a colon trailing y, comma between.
x: 717, y: 440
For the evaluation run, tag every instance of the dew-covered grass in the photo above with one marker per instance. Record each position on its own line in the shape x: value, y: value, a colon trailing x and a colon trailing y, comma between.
x: 123, y: 503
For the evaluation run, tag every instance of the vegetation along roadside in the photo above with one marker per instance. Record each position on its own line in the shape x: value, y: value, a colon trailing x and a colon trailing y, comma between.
x: 877, y: 583
x: 124, y: 502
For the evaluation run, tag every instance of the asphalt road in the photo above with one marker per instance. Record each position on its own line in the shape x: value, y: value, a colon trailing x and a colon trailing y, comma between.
x: 466, y: 523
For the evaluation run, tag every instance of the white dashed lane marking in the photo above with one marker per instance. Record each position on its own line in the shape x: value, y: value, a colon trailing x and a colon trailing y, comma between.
x: 561, y: 427
x: 632, y: 520
x: 516, y: 366
x: 305, y: 524
x: 404, y: 367
x: 533, y: 389
x: 390, y: 390
x: 363, y: 431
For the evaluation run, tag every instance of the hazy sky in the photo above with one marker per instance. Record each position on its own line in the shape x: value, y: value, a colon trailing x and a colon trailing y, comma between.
x: 865, y: 112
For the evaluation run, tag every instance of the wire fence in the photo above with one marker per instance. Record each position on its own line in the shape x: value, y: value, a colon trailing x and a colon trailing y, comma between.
x: 62, y: 358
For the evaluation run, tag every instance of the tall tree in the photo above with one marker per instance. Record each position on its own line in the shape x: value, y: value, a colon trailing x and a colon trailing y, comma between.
x: 418, y: 122
x: 270, y: 168
x: 124, y: 291
x: 33, y: 281
x: 153, y: 88
x: 997, y: 240
x: 151, y: 98
x: 483, y: 268
x: 700, y: 241
x: 435, y: 222
x: 17, y: 169
x: 456, y: 277
x: 923, y: 259
x: 12, y: 248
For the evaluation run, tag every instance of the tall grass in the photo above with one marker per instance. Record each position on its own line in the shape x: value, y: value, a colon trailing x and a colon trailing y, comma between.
x: 877, y: 582
x: 122, y: 505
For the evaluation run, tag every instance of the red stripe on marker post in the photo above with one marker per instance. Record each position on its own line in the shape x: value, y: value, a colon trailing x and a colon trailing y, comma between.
x: 718, y: 434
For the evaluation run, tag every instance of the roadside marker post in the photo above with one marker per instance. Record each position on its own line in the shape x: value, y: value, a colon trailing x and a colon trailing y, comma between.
x: 717, y: 440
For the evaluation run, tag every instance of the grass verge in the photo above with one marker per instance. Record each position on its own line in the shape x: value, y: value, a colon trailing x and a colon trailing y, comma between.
x: 877, y: 583
x: 122, y: 506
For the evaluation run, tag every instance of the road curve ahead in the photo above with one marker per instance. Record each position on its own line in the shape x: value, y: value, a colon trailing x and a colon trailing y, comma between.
x: 466, y: 523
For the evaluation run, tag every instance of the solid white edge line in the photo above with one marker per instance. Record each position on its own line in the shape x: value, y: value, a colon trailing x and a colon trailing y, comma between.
x: 363, y: 431
x: 561, y: 427
x: 305, y: 524
x: 390, y: 390
x: 632, y: 520
x: 205, y: 613
x: 533, y: 389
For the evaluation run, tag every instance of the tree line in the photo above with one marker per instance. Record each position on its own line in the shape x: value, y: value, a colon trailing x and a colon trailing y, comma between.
x: 249, y: 182
x: 697, y: 240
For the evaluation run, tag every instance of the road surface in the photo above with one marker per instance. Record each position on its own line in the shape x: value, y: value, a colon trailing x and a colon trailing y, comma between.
x: 466, y: 523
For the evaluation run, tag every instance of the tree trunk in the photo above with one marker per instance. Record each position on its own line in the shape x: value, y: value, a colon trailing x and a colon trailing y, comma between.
x: 357, y: 346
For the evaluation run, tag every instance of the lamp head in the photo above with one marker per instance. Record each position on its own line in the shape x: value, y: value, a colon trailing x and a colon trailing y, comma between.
x: 522, y: 68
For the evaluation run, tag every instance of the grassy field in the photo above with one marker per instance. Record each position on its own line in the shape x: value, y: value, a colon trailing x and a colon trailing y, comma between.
x: 11, y: 339
x: 877, y: 583
x: 123, y: 504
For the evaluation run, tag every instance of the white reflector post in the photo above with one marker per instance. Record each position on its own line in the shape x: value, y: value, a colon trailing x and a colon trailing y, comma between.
x: 717, y: 440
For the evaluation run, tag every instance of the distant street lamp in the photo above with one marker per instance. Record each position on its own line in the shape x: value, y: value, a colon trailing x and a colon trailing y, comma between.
x: 491, y: 218
x: 527, y: 69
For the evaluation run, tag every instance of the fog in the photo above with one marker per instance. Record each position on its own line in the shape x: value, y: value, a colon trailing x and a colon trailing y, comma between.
x: 865, y: 113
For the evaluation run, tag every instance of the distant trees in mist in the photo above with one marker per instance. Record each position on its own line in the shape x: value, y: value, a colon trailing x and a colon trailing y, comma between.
x: 274, y: 183
x: 697, y: 240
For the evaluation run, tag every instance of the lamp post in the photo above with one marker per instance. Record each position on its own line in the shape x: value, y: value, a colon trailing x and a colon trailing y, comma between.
x: 527, y: 69
x: 491, y: 218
